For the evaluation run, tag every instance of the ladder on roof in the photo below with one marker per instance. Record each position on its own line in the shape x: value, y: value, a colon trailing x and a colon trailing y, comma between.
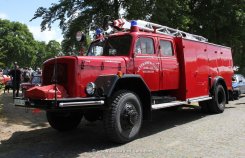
x: 149, y: 26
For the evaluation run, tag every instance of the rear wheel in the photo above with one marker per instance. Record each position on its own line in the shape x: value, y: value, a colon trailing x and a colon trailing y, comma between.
x: 236, y: 95
x: 123, y: 119
x: 217, y: 104
x: 64, y: 121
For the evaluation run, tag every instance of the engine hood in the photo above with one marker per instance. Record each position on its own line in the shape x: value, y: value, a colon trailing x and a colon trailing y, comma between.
x: 75, y: 72
x: 103, y: 62
x: 91, y: 67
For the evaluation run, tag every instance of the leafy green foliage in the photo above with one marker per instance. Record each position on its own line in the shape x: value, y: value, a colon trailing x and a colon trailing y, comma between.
x: 221, y: 21
x: 17, y: 44
x: 53, y: 48
x: 77, y: 15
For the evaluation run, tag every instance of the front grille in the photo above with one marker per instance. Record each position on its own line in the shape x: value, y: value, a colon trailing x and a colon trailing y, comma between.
x: 55, y: 74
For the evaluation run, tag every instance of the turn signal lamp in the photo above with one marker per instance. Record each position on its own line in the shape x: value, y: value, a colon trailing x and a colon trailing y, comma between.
x: 119, y: 74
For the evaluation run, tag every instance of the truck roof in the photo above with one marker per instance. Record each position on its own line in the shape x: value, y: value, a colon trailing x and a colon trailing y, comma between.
x: 121, y: 33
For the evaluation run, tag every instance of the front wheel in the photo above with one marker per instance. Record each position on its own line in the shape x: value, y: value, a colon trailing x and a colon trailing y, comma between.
x: 64, y: 121
x: 123, y: 119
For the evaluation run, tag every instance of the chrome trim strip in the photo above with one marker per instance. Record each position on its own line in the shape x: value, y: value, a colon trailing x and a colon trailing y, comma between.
x: 166, y: 105
x: 197, y: 99
x: 83, y: 103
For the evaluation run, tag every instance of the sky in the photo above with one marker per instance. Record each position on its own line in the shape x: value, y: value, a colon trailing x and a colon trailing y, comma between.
x: 24, y: 10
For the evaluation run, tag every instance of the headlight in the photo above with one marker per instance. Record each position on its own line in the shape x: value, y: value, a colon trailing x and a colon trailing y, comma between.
x: 90, y: 89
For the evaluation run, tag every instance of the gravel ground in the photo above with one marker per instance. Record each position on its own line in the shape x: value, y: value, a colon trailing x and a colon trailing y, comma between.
x: 185, y: 133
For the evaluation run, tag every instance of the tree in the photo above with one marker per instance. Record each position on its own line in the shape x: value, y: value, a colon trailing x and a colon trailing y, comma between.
x: 40, y: 53
x: 16, y: 43
x: 76, y: 16
x: 138, y: 9
x: 70, y: 45
x: 221, y: 21
x: 53, y: 48
x: 88, y: 12
x: 46, y: 51
x: 172, y: 13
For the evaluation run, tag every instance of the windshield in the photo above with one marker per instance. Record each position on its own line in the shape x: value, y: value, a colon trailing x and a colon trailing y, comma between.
x: 112, y: 46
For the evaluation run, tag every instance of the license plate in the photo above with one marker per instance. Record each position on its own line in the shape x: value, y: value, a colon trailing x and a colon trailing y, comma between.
x: 19, y: 102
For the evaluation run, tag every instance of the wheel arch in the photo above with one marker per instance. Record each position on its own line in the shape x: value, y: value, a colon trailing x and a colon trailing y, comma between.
x: 129, y: 82
x: 220, y: 80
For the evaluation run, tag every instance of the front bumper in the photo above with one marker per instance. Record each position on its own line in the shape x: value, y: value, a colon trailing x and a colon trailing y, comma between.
x: 64, y: 103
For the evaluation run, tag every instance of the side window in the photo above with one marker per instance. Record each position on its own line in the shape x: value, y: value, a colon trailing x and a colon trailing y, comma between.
x: 97, y: 51
x: 166, y: 48
x: 144, y: 46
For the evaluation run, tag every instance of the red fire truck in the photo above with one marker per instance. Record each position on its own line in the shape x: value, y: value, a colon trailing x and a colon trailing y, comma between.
x: 127, y: 74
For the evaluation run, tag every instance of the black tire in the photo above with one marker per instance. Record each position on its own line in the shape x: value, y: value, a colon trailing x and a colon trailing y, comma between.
x: 123, y: 119
x: 236, y: 95
x: 64, y: 121
x: 92, y: 115
x: 217, y: 104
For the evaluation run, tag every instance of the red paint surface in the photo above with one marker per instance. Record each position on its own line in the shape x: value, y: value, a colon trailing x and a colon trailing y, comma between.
x: 185, y: 73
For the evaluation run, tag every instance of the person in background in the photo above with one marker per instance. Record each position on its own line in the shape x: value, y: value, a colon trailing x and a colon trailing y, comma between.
x: 15, y: 74
x: 37, y: 72
x: 6, y: 71
x: 26, y: 75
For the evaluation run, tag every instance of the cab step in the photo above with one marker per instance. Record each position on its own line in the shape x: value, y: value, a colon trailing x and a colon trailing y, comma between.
x: 159, y: 102
x: 162, y: 99
x: 166, y: 105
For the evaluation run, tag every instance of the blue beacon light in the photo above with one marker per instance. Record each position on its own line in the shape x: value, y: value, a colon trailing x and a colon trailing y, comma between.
x: 98, y: 31
x: 134, y: 23
x: 134, y: 27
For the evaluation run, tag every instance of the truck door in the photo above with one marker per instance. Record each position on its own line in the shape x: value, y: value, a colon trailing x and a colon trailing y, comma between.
x: 169, y: 71
x: 147, y: 62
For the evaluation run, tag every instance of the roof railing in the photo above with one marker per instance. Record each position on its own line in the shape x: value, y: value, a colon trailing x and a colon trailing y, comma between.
x: 152, y: 27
